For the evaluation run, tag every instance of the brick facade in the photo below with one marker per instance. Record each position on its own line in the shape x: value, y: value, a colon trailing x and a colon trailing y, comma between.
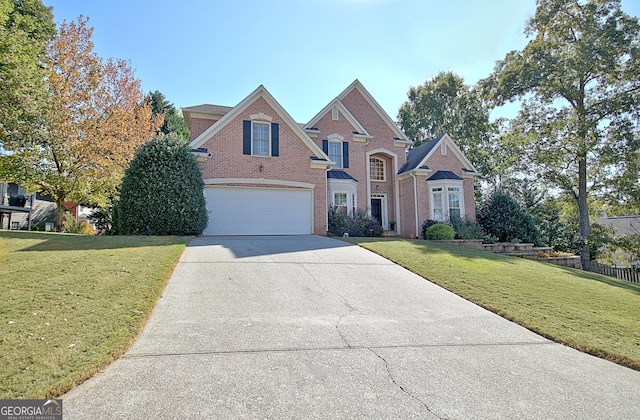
x: 293, y: 165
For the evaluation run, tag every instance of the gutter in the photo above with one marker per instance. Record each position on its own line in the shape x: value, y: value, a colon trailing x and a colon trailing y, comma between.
x: 415, y: 200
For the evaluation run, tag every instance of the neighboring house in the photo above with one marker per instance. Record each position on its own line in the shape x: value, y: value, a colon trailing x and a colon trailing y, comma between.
x: 266, y: 174
x: 16, y: 206
x: 623, y: 226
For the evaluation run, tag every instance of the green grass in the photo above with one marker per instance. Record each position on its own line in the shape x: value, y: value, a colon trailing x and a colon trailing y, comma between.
x: 71, y: 304
x: 593, y: 313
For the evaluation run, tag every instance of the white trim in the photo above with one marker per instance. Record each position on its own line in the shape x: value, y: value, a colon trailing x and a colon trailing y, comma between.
x: 269, y: 141
x: 345, y: 112
x: 260, y: 116
x: 336, y: 139
x: 445, y: 184
x: 414, y: 172
x: 322, y: 164
x: 348, y: 186
x: 415, y: 201
x: 384, y: 168
x: 376, y: 106
x: 454, y: 148
x: 384, y: 208
x: 257, y: 181
x: 396, y: 185
x: 260, y: 92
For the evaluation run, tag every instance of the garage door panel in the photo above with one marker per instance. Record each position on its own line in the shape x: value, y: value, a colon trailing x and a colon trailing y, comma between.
x: 258, y: 211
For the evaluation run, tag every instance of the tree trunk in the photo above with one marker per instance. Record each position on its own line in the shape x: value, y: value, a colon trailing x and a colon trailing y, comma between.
x: 60, y: 210
x: 583, y: 211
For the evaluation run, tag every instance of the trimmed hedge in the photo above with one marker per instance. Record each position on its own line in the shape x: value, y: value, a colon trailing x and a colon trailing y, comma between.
x: 162, y: 191
x: 440, y: 232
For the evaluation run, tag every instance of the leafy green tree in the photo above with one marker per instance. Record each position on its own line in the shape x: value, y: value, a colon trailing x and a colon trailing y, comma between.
x: 26, y: 26
x: 580, y: 91
x: 173, y: 121
x: 445, y: 104
x: 92, y: 122
x: 502, y: 217
x: 161, y: 191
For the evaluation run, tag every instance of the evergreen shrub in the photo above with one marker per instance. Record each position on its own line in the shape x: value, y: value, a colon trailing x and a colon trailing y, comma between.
x: 162, y: 191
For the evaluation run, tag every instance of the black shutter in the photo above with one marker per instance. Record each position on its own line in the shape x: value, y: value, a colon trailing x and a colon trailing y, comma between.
x: 325, y: 147
x: 275, y: 139
x: 345, y: 154
x: 246, y: 137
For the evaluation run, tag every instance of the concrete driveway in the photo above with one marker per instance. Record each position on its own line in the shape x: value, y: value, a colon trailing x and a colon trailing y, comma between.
x: 311, y: 327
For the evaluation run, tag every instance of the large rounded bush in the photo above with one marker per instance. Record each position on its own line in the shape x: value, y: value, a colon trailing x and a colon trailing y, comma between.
x: 162, y: 191
x: 440, y: 232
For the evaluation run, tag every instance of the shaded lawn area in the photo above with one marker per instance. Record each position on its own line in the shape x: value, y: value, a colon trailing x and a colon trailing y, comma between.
x: 593, y: 313
x: 71, y: 304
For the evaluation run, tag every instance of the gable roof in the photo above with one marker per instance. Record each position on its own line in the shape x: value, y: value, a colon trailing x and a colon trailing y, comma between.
x: 260, y: 92
x: 336, y: 102
x: 417, y: 158
x: 376, y: 106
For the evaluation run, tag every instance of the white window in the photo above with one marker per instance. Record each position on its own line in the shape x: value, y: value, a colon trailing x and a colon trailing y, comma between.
x: 335, y: 153
x: 334, y: 113
x: 446, y: 200
x: 340, y: 202
x: 260, y: 139
x: 443, y: 149
x: 454, y: 201
x: 436, y: 204
x: 376, y: 169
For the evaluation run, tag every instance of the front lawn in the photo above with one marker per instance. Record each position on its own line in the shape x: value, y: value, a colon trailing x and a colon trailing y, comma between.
x: 71, y: 304
x: 596, y: 314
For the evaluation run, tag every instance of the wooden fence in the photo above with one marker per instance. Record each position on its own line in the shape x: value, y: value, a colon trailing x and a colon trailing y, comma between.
x: 628, y: 274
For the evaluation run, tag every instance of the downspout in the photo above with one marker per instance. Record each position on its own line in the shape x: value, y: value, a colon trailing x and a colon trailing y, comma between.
x: 415, y: 200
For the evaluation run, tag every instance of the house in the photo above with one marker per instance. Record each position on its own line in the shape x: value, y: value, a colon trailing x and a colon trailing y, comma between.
x: 266, y: 174
x: 20, y: 210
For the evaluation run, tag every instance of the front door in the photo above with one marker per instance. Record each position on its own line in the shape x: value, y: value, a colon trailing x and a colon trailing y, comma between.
x: 376, y: 209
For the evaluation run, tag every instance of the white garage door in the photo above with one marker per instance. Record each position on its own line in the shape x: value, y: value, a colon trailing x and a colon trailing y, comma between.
x: 258, y: 211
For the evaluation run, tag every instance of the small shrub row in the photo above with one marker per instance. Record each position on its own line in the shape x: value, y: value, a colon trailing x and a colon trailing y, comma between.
x: 463, y: 228
x: 357, y: 224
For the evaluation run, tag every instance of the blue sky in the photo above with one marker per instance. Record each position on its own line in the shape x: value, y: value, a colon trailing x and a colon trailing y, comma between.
x: 305, y: 52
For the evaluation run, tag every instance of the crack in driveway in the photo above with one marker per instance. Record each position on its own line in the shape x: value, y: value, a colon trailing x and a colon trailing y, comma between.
x: 400, y: 387
x: 345, y: 302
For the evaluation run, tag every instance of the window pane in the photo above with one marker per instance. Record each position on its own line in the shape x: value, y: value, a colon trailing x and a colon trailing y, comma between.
x: 454, y: 202
x: 260, y: 139
x: 436, y: 201
x: 376, y: 169
x: 335, y: 153
x: 340, y: 202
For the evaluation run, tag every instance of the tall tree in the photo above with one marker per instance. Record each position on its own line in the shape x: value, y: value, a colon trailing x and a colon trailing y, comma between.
x: 25, y: 28
x: 445, y: 104
x: 95, y: 119
x: 173, y: 121
x: 580, y: 91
